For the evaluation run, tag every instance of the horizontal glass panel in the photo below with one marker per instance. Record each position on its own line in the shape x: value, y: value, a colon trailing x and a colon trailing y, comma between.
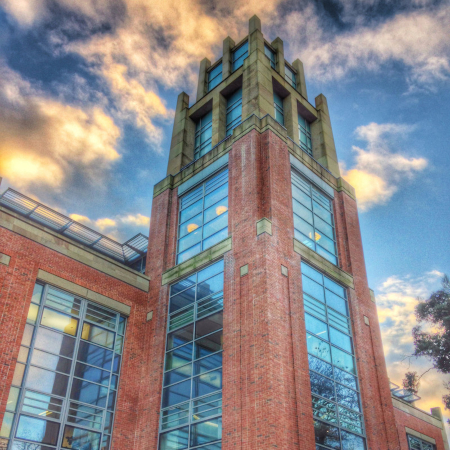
x: 37, y: 430
x: 18, y: 374
x: 209, y: 305
x: 191, y: 197
x: 181, y: 318
x: 322, y: 213
x: 42, y: 405
x: 323, y: 227
x: 325, y: 242
x: 5, y: 430
x: 341, y: 340
x: 188, y: 253
x: 178, y: 357
x: 304, y: 239
x: 351, y: 441
x: 63, y: 301
x: 347, y: 397
x: 92, y: 374
x: 215, y: 225
x: 208, y: 325
x: 207, y: 383
x: 190, y: 239
x: 313, y: 306
x: 174, y: 440
x: 317, y: 347
x: 322, y: 386
x: 182, y: 285
x: 304, y: 227
x: 208, y: 431
x: 46, y: 381
x: 338, y: 320
x: 323, y: 409
x: 332, y: 286
x: 208, y: 363
x: 302, y: 212
x: 59, y: 321
x: 21, y: 445
x: 37, y: 293
x: 51, y: 362
x: 191, y: 211
x: 302, y: 197
x: 191, y: 225
x: 177, y: 393
x: 216, y: 210
x: 182, y: 299
x: 345, y: 378
x: 320, y: 366
x: 90, y: 393
x: 312, y: 288
x: 23, y: 354
x: 32, y: 313
x: 350, y: 420
x: 174, y: 417
x: 13, y: 396
x: 312, y: 273
x: 101, y: 316
x: 207, y: 406
x: 53, y: 342
x: 343, y: 360
x: 215, y: 238
x: 27, y: 335
x: 336, y: 302
x: 316, y: 326
x: 77, y: 438
x: 210, y: 286
x: 180, y: 337
x: 216, y: 195
x: 178, y: 374
x: 97, y: 335
x: 85, y: 416
x: 209, y: 344
x: 326, y: 435
x: 327, y: 255
x: 211, y: 270
x: 95, y: 355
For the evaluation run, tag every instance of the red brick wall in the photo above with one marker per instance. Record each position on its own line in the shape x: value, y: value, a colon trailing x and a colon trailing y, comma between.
x: 17, y: 281
x: 406, y: 420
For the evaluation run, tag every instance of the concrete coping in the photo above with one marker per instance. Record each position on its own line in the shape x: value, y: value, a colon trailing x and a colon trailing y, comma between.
x: 416, y: 412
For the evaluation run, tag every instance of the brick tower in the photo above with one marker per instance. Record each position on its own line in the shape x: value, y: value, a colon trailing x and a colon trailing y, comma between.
x: 253, y: 326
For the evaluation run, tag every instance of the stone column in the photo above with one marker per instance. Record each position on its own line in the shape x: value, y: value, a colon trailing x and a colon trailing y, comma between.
x: 278, y: 45
x: 202, y: 87
x: 300, y: 77
x: 227, y: 68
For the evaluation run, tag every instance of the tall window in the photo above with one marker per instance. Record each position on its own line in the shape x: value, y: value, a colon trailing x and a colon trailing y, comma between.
x: 415, y: 443
x: 271, y: 55
x: 214, y: 76
x: 203, y: 218
x: 336, y: 402
x: 64, y: 388
x: 313, y: 218
x: 289, y: 76
x: 234, y: 111
x: 239, y: 55
x: 278, y: 105
x: 304, y: 133
x: 191, y: 406
x: 203, y: 135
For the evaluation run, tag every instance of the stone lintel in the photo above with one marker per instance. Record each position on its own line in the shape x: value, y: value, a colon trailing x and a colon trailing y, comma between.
x: 197, y: 261
x: 323, y: 264
x: 88, y: 294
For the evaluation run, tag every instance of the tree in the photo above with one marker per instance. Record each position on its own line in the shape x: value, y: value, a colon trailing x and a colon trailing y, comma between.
x: 411, y: 382
x: 435, y: 344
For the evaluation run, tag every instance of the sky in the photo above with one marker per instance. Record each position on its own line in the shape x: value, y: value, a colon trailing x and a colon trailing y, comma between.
x: 87, y: 96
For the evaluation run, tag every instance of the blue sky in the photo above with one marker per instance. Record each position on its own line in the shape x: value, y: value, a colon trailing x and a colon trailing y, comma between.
x: 88, y: 88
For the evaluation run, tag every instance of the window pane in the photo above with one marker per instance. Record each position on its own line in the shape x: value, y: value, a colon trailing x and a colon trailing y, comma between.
x: 174, y: 440
x: 301, y: 197
x: 23, y: 354
x: 208, y: 345
x: 178, y: 357
x: 304, y: 227
x: 188, y: 253
x: 204, y: 432
x: 314, y: 306
x: 101, y: 316
x: 37, y: 430
x: 177, y: 375
x: 347, y: 397
x: 312, y: 288
x: 176, y: 393
x: 322, y: 386
x: 327, y: 255
x: 97, y: 356
x: 63, y: 301
x: 50, y: 361
x: 326, y: 434
x: 332, y: 286
x: 302, y: 211
x: 216, y: 210
x: 5, y: 430
x: 53, y: 342
x: 322, y: 213
x: 341, y: 340
x: 190, y: 240
x: 208, y: 287
x: 92, y: 374
x: 97, y: 335
x: 317, y: 347
x: 13, y: 396
x: 32, y: 313
x: 325, y: 242
x: 209, y: 363
x: 336, y: 302
x: 215, y: 238
x: 77, y: 438
x: 90, y: 393
x: 312, y: 273
x: 211, y: 270
x: 322, y: 226
x: 37, y: 293
x: 322, y: 409
x: 191, y: 211
x: 42, y: 405
x: 191, y: 225
x: 182, y: 285
x: 208, y: 325
x: 46, y: 381
x: 345, y: 378
x: 350, y: 420
x: 320, y: 366
x: 316, y: 326
x: 342, y: 360
x: 180, y: 337
x: 85, y: 416
x: 182, y: 299
x: 216, y: 195
x: 27, y: 335
x: 215, y: 225
x: 351, y: 441
x: 59, y: 321
x: 18, y: 374
x: 207, y: 383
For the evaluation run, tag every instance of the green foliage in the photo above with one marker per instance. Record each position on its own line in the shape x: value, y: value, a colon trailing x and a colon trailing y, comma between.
x: 411, y: 382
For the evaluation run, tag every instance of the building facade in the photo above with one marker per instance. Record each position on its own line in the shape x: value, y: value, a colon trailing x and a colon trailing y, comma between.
x: 251, y: 324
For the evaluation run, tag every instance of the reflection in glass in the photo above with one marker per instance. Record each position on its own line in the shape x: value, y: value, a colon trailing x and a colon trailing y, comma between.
x: 208, y: 431
x: 46, y: 381
x: 53, y: 342
x: 97, y: 335
x: 90, y: 393
x: 174, y: 440
x: 97, y: 356
x: 37, y: 430
x: 50, y: 361
x: 326, y: 434
x: 77, y: 438
x: 59, y: 321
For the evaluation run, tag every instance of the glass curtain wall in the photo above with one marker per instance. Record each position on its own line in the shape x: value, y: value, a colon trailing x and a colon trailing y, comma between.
x: 304, y: 134
x: 203, y: 219
x: 239, y: 55
x: 336, y: 402
x: 313, y: 218
x: 271, y: 55
x: 191, y: 406
x: 214, y: 76
x: 278, y: 106
x: 203, y: 135
x: 64, y: 389
x: 234, y: 111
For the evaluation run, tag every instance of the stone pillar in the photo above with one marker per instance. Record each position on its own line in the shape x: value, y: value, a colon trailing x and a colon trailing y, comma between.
x: 291, y: 118
x: 182, y: 143
x: 202, y: 87
x: 324, y: 150
x: 227, y: 68
x: 278, y: 45
x: 300, y: 77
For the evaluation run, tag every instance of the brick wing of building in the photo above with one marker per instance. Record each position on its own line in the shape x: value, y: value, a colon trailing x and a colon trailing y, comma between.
x: 248, y: 322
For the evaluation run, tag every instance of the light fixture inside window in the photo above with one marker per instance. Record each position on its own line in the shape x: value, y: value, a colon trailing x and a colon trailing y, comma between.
x: 221, y: 209
x: 192, y: 227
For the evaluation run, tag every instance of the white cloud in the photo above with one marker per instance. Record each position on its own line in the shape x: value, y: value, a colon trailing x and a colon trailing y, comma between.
x: 379, y: 171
